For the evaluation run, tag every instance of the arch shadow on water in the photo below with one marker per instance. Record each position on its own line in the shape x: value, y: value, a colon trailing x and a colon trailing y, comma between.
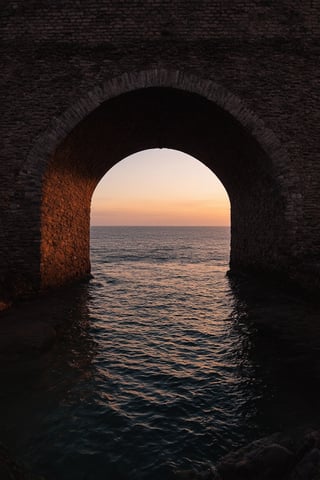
x: 279, y: 349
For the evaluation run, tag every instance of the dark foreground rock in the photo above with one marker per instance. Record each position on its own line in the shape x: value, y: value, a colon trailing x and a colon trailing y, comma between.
x: 259, y: 461
x: 295, y: 456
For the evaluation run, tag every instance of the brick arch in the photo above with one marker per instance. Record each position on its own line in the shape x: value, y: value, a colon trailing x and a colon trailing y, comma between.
x: 58, y: 163
x: 60, y: 126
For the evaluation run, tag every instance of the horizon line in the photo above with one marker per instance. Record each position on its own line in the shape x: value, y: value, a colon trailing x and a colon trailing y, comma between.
x: 166, y: 226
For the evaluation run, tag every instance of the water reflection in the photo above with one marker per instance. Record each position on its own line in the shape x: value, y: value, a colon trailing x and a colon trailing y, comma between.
x: 119, y: 396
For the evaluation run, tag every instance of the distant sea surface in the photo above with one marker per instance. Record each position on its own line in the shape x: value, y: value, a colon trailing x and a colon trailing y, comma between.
x: 165, y: 363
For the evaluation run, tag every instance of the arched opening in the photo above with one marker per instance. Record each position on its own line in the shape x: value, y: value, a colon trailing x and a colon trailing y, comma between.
x: 158, y: 213
x: 160, y: 117
x: 160, y: 187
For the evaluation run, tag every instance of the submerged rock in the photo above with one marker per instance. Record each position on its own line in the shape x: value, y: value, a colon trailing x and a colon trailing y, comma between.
x: 308, y: 468
x: 294, y: 456
x: 257, y: 462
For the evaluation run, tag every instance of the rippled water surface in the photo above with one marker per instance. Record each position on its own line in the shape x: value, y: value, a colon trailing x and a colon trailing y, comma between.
x: 163, y: 363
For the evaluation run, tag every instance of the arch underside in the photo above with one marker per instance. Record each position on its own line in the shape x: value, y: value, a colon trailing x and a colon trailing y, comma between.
x: 159, y: 117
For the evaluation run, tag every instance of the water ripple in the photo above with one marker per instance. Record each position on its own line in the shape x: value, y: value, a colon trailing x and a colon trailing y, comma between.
x: 163, y: 364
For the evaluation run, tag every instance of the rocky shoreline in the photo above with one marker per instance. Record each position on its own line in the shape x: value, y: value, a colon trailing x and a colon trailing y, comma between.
x: 291, y: 456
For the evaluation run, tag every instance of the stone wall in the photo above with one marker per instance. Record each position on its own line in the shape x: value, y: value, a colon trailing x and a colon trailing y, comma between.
x: 256, y: 60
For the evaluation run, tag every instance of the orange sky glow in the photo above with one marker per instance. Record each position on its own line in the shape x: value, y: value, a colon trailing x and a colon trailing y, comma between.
x: 160, y: 187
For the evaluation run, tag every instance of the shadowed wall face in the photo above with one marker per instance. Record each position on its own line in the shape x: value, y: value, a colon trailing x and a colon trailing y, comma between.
x: 153, y: 118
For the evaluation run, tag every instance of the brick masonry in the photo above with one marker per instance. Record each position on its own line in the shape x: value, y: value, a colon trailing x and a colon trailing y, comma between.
x: 236, y: 84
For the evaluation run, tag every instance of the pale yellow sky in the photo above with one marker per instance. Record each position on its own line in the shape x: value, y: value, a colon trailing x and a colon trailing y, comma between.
x: 160, y: 187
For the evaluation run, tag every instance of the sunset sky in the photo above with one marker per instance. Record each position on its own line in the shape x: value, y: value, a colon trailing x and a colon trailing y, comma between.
x: 160, y: 187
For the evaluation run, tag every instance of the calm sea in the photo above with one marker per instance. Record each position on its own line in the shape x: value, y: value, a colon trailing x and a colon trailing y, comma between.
x: 164, y: 363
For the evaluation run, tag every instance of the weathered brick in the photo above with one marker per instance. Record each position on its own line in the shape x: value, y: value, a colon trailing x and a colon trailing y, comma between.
x: 246, y: 76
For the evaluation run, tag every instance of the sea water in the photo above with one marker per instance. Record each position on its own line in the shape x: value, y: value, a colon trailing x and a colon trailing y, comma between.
x: 164, y: 364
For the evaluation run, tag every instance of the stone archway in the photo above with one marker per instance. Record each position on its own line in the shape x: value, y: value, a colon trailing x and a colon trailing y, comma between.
x: 159, y: 108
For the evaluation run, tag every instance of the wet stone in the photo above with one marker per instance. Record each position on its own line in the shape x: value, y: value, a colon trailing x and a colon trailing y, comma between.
x: 259, y: 461
x: 308, y: 468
